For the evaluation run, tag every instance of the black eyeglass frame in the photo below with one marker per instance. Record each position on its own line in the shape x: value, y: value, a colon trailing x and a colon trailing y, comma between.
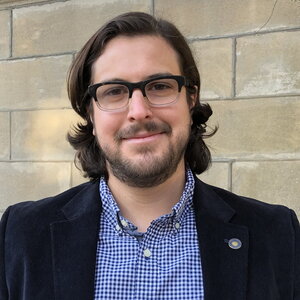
x: 181, y: 81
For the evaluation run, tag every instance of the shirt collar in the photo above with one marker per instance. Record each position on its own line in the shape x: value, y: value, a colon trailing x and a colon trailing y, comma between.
x: 185, y: 202
x: 112, y: 211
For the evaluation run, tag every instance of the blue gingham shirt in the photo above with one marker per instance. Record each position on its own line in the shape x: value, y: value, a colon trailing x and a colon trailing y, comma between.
x: 162, y: 263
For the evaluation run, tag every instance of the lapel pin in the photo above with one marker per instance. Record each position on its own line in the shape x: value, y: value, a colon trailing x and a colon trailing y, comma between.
x: 234, y: 243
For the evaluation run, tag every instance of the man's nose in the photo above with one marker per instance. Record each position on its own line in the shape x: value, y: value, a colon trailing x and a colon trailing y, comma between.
x: 139, y: 107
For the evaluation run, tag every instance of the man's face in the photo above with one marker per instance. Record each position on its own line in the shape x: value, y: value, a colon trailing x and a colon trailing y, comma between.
x: 143, y: 145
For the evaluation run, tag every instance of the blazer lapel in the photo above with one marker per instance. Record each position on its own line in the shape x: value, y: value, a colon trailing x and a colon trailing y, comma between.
x: 74, y: 242
x: 224, y: 268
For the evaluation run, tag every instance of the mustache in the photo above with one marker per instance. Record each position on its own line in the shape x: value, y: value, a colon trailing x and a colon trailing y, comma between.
x: 150, y: 126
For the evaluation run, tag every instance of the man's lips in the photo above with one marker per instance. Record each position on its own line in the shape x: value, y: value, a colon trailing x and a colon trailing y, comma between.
x: 143, y: 137
x: 143, y: 132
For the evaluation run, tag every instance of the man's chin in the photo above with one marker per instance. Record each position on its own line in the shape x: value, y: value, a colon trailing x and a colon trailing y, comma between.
x: 142, y: 171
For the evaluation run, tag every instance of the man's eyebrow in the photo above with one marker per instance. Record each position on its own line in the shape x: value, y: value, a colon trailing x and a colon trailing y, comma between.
x: 157, y: 75
x: 145, y: 78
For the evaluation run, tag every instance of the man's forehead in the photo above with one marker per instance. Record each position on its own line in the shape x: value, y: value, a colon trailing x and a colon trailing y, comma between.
x: 145, y: 55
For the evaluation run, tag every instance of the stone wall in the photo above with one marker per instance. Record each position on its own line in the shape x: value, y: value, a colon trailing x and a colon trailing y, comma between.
x: 248, y: 55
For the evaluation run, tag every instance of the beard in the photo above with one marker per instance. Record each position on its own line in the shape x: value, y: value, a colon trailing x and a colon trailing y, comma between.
x: 151, y: 170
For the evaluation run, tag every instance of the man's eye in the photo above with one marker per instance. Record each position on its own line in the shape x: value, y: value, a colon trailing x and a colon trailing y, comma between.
x: 161, y: 86
x: 158, y: 86
x: 114, y: 91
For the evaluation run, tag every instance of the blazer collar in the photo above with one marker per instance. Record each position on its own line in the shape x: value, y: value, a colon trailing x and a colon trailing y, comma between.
x: 224, y: 269
x: 74, y: 244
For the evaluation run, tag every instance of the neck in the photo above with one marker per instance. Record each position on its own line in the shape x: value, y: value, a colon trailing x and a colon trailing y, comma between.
x: 143, y: 205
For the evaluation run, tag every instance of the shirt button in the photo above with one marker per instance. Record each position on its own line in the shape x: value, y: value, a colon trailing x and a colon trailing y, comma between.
x: 124, y: 223
x: 118, y: 227
x: 177, y: 225
x: 147, y: 253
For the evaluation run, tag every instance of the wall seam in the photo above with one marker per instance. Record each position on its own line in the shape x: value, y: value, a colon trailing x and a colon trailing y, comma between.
x: 270, y: 160
x: 257, y: 159
x: 153, y: 8
x: 230, y: 176
x: 11, y: 34
x: 245, y: 34
x: 242, y: 98
x: 41, y: 3
x: 234, y: 61
x: 10, y: 136
x: 39, y: 56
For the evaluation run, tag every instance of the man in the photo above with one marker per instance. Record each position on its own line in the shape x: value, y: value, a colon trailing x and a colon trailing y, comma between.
x: 145, y: 227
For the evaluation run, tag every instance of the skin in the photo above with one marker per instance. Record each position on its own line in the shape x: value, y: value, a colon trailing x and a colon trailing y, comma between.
x: 125, y: 136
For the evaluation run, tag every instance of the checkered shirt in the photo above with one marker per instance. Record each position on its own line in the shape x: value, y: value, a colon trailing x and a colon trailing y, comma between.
x: 162, y: 263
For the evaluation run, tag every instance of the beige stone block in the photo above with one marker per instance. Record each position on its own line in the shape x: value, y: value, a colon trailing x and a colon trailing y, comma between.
x: 14, y: 3
x: 217, y: 175
x: 256, y: 128
x: 5, y: 31
x: 77, y: 176
x: 270, y: 181
x: 4, y: 136
x: 268, y: 64
x: 214, y: 60
x: 64, y: 26
x: 203, y: 18
x: 41, y: 135
x: 24, y: 181
x: 34, y: 83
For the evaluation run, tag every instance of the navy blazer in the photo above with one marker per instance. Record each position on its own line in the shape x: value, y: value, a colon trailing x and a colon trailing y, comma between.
x: 48, y: 247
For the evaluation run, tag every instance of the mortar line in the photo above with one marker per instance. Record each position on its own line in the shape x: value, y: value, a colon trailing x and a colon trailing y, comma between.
x: 153, y: 8
x: 35, y: 161
x: 10, y: 134
x: 71, y: 53
x: 229, y: 160
x: 242, y: 98
x: 41, y: 3
x: 239, y: 35
x: 258, y: 160
x: 36, y: 109
x: 230, y: 176
x: 234, y: 59
x: 11, y: 34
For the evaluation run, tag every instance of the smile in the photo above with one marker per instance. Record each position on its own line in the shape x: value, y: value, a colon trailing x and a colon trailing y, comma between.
x: 144, y: 138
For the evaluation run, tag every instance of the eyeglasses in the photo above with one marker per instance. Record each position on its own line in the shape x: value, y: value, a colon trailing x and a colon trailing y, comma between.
x: 115, y: 95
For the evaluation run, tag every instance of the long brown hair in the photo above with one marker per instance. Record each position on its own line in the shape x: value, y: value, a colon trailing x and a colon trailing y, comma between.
x: 88, y: 154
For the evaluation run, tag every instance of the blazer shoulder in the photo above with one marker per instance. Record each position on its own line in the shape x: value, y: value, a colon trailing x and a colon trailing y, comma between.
x: 248, y: 209
x: 43, y: 210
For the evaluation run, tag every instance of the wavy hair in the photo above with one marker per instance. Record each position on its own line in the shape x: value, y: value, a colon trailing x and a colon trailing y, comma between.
x: 88, y: 153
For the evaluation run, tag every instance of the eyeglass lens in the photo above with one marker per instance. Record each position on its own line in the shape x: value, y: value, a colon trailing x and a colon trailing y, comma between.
x: 158, y: 92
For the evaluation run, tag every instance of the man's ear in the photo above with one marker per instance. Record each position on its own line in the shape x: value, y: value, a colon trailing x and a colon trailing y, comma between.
x: 94, y: 132
x: 90, y: 113
x: 193, y: 97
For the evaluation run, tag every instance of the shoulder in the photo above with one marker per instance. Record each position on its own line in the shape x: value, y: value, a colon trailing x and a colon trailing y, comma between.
x: 248, y: 210
x: 45, y: 210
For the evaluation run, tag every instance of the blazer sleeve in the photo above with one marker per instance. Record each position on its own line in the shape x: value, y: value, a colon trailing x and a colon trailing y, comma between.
x: 3, y: 286
x: 297, y: 256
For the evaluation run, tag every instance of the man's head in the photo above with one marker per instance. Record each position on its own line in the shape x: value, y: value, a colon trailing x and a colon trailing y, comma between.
x: 143, y: 139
